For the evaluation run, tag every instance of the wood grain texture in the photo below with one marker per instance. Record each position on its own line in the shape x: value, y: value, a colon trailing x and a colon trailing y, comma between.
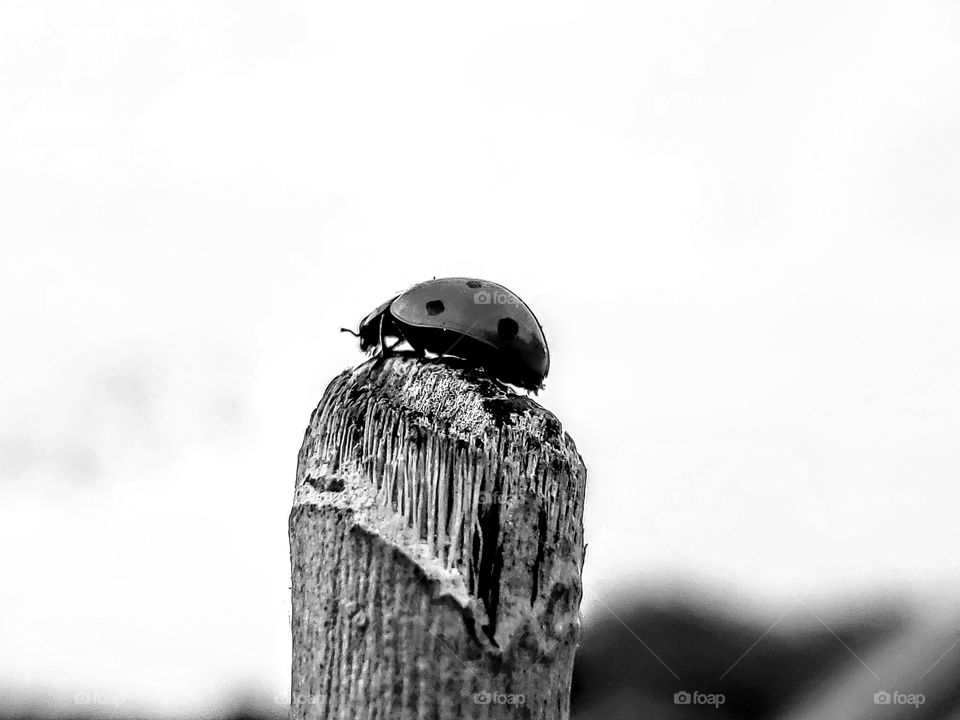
x: 436, y: 548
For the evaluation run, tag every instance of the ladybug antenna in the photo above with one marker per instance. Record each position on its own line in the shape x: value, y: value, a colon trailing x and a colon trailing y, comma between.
x: 348, y: 330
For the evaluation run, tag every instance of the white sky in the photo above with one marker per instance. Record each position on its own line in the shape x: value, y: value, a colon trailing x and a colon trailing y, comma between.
x: 736, y: 221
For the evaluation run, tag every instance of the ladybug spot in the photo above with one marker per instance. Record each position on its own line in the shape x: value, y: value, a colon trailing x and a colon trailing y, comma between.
x: 474, y: 284
x: 507, y: 329
x: 434, y: 307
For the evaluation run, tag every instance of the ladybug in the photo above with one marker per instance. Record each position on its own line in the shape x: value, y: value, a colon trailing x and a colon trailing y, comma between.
x: 478, y: 321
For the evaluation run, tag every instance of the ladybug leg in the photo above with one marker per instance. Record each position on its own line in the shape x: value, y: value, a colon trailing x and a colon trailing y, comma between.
x: 417, y: 348
x: 384, y: 350
x: 383, y: 339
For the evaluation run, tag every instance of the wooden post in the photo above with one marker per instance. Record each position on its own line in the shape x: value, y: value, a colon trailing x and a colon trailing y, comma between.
x: 436, y: 545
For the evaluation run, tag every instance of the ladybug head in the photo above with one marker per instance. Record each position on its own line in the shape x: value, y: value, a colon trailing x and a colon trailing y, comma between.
x: 369, y: 333
x: 374, y: 327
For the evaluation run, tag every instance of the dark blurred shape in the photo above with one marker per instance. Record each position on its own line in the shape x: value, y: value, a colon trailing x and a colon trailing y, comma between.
x: 911, y: 675
x: 617, y: 678
x: 801, y: 668
x: 255, y: 711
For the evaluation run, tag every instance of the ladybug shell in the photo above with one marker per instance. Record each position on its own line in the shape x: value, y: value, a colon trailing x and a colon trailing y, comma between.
x: 484, y: 312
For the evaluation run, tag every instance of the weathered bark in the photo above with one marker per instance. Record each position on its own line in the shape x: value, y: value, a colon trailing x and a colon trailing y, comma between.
x: 436, y: 546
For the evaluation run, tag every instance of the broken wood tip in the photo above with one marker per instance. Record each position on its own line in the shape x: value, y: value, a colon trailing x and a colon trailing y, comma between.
x: 436, y: 548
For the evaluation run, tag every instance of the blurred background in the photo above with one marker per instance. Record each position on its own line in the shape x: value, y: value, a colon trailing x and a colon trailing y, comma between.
x: 737, y: 223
